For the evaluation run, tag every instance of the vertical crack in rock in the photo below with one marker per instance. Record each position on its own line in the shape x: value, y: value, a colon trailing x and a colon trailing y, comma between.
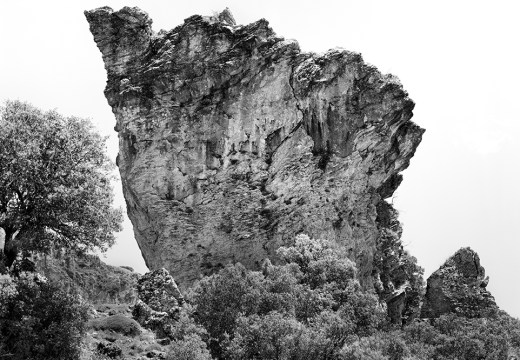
x: 232, y: 141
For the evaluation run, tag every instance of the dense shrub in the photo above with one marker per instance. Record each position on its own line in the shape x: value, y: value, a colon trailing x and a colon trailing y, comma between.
x: 447, y: 338
x: 274, y: 336
x: 312, y: 307
x: 191, y: 347
x: 185, y: 325
x: 309, y: 306
x: 38, y: 321
x: 453, y: 337
x: 117, y: 323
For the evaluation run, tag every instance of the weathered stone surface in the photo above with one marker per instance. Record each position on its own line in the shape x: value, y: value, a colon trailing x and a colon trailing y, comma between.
x: 159, y: 290
x: 232, y: 141
x: 159, y: 302
x: 459, y: 287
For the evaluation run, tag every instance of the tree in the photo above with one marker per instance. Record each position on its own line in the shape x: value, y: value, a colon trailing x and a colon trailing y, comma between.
x: 307, y: 308
x: 55, y: 188
x: 38, y: 320
x: 191, y: 347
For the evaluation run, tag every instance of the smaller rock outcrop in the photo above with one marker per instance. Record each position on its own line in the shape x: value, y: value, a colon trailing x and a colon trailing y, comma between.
x: 159, y: 290
x: 159, y: 302
x: 459, y: 287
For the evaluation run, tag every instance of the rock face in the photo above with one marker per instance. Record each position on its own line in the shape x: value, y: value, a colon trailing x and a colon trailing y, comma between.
x: 232, y: 141
x: 459, y: 287
x: 159, y: 302
x: 159, y: 290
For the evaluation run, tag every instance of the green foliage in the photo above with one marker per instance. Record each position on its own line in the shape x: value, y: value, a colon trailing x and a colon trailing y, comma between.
x: 185, y: 326
x: 382, y: 345
x: 55, y: 186
x: 221, y: 298
x: 307, y: 308
x: 275, y: 336
x: 312, y: 307
x: 117, y: 323
x: 38, y: 321
x: 453, y: 337
x: 448, y: 338
x: 190, y: 347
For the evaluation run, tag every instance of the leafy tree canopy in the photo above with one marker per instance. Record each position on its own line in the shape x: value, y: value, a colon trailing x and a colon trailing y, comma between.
x: 38, y: 320
x: 55, y: 188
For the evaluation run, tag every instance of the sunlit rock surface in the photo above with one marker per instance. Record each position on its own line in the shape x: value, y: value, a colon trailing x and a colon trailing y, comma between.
x: 232, y: 140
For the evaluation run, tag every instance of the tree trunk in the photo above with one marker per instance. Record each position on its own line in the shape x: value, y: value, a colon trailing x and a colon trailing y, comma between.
x: 10, y: 249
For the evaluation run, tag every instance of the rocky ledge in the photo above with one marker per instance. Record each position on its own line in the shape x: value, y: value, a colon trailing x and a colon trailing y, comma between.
x: 232, y: 141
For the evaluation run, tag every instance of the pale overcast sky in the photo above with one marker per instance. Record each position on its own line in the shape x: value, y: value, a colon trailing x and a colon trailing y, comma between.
x: 459, y: 61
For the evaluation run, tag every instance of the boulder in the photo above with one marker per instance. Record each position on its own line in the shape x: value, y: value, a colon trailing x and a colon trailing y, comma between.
x: 159, y: 302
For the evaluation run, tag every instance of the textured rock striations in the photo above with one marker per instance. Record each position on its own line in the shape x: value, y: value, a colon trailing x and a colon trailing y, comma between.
x: 459, y: 287
x: 232, y: 140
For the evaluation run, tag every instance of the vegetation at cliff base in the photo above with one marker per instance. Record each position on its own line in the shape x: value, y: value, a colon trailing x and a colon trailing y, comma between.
x: 38, y: 320
x: 55, y: 194
x: 312, y: 307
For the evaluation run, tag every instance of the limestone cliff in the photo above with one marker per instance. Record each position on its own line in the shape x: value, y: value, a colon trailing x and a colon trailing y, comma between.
x: 459, y: 287
x: 232, y: 140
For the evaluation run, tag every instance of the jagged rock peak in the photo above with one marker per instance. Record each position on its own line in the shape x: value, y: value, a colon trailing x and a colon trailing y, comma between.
x: 232, y: 141
x: 225, y: 17
x: 459, y: 287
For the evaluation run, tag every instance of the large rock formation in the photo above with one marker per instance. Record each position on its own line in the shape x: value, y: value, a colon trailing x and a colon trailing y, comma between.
x: 232, y: 140
x: 459, y: 287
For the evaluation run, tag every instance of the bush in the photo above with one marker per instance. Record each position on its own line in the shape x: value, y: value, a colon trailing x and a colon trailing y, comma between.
x: 448, y: 338
x: 117, y: 323
x: 454, y: 337
x: 109, y: 350
x: 39, y: 321
x: 275, y: 336
x: 221, y: 298
x: 190, y: 347
x: 315, y: 294
x: 313, y: 307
